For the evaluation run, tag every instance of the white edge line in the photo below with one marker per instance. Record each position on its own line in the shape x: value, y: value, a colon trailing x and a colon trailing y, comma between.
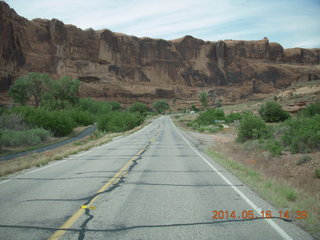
x: 275, y: 226
x: 78, y: 155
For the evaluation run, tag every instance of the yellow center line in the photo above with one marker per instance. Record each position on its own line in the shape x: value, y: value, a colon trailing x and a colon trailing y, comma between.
x: 68, y: 224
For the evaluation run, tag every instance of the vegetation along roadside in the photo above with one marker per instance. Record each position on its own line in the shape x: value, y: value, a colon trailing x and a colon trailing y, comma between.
x: 272, y: 151
x: 47, y: 111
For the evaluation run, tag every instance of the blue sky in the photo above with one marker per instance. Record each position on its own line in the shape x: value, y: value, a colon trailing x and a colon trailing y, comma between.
x: 292, y: 23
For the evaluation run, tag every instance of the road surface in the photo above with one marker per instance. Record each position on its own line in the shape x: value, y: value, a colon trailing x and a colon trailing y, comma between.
x: 152, y: 184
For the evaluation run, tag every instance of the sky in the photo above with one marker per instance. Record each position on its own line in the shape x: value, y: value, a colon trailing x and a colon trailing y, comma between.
x: 292, y: 23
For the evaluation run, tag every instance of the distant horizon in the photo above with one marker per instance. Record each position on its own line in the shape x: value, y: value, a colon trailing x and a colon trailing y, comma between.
x: 280, y: 21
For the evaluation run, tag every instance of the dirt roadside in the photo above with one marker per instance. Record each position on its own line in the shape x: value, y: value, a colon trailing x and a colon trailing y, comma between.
x: 283, y: 168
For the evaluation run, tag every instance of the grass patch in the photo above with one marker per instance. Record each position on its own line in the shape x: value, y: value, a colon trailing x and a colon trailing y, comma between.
x: 278, y: 194
x: 18, y: 138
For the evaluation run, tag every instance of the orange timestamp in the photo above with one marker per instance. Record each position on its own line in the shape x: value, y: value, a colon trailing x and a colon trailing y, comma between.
x: 250, y: 214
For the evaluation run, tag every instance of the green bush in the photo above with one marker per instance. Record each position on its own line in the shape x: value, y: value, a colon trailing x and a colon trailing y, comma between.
x: 119, y: 121
x: 81, y: 118
x: 232, y: 117
x: 94, y: 107
x: 13, y: 138
x: 160, y: 106
x: 139, y: 107
x: 251, y: 127
x: 273, y: 112
x: 24, y: 110
x: 56, y: 104
x: 317, y: 172
x: 209, y: 116
x: 115, y: 105
x: 58, y: 122
x: 203, y: 96
x: 194, y: 108
x: 274, y: 147
x: 303, y: 134
x: 310, y: 110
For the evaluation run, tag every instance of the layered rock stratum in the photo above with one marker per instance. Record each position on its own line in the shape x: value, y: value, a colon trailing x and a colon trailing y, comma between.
x: 113, y: 66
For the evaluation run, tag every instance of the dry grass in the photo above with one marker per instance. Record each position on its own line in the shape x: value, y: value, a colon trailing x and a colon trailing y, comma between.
x: 278, y: 193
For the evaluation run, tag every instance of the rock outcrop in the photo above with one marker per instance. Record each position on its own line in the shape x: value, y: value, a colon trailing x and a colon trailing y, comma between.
x: 126, y: 68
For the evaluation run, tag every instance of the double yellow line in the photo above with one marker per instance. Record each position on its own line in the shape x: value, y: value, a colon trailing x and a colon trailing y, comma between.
x: 116, y: 178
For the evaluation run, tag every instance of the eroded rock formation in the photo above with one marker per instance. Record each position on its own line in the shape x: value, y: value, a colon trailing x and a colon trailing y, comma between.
x: 126, y: 68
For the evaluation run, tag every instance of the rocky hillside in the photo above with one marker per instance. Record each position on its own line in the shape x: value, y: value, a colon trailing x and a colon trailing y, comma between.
x: 126, y: 68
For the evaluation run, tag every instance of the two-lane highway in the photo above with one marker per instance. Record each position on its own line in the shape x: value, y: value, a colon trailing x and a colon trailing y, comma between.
x: 152, y: 184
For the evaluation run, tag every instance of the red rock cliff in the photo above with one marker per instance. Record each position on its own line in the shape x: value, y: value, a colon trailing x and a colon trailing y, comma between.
x: 127, y: 68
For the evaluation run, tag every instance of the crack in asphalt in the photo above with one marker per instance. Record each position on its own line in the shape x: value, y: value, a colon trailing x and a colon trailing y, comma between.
x: 128, y: 228
x: 134, y: 162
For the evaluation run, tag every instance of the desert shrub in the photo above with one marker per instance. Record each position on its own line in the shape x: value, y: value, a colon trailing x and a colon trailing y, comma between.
x: 252, y: 145
x: 14, y: 138
x: 81, y: 118
x: 119, y: 121
x: 194, y: 108
x: 273, y: 112
x: 290, y: 194
x: 251, y: 127
x: 189, y: 124
x: 139, y: 107
x: 59, y: 123
x: 23, y: 110
x: 209, y: 116
x: 56, y: 104
x: 303, y: 134
x: 13, y: 121
x: 310, y: 110
x: 232, y: 117
x: 274, y: 147
x: 303, y: 159
x: 115, y: 105
x: 94, y: 107
x: 317, y: 172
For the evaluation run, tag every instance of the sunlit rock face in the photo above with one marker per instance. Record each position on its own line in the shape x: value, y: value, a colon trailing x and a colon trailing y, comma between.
x: 113, y: 66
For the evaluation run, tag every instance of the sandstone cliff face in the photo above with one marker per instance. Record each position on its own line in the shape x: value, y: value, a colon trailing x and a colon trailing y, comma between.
x: 127, y: 68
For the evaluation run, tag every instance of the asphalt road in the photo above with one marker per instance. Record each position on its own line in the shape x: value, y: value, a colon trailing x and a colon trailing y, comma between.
x: 152, y: 184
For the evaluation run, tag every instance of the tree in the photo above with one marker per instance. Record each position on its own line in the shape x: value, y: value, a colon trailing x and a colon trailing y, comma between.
x: 160, y: 106
x: 204, y: 99
x: 273, y: 112
x: 55, y: 94
x: 18, y: 91
x: 139, y: 107
x: 62, y: 93
x: 33, y: 85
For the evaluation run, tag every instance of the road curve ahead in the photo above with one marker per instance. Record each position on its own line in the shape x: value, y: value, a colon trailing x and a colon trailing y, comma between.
x: 152, y: 184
